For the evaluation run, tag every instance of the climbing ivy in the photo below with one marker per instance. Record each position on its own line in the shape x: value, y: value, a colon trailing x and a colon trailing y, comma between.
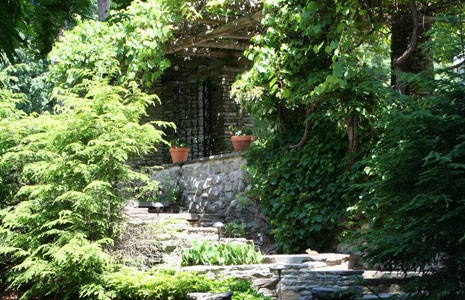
x: 302, y: 191
x: 314, y: 68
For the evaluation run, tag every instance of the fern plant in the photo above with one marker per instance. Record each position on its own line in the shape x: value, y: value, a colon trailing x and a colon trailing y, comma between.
x: 75, y: 168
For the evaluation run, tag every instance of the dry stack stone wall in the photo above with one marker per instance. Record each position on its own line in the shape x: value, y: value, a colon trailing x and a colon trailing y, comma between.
x: 295, y: 283
x: 214, y: 186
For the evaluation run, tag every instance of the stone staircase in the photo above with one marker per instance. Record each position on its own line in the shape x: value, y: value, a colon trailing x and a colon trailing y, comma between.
x: 143, y: 215
x: 150, y: 240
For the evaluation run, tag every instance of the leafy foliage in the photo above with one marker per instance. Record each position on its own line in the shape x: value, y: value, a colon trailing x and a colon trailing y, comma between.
x: 74, y: 164
x: 234, y: 229
x: 313, y: 67
x: 301, y: 191
x: 222, y: 254
x: 39, y: 23
x: 31, y: 80
x: 10, y: 136
x: 414, y: 198
x: 130, y: 38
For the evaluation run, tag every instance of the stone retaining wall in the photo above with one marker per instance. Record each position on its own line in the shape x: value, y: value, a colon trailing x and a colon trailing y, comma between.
x: 296, y: 282
x: 214, y: 186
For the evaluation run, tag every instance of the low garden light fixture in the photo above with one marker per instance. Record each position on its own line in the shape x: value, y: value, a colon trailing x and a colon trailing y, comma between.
x: 218, y: 226
x: 158, y: 206
x: 279, y: 268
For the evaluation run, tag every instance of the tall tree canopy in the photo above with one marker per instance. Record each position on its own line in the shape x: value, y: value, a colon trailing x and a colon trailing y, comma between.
x: 36, y: 24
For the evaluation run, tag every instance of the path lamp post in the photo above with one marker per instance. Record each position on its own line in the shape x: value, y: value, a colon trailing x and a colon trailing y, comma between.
x: 218, y: 226
x: 158, y: 206
x: 279, y: 268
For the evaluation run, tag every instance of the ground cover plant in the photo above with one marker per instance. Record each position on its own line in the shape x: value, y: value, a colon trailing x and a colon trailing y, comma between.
x: 133, y: 284
x: 207, y: 253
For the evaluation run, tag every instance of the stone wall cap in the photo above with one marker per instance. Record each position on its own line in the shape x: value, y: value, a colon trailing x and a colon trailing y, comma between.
x: 389, y: 275
x: 204, y: 159
x: 202, y: 268
x: 337, y: 272
x: 210, y: 296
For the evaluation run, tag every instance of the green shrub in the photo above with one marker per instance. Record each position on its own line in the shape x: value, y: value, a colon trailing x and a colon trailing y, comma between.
x: 130, y: 283
x: 133, y: 284
x: 242, y: 290
x: 416, y: 196
x: 31, y: 74
x: 222, y: 254
x: 70, y: 191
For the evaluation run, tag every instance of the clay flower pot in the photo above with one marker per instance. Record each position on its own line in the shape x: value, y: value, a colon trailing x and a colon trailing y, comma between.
x: 241, y: 142
x: 179, y: 154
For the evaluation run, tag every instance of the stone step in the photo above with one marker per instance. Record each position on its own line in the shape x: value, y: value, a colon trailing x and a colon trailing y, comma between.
x: 286, y: 258
x: 187, y: 216
x: 386, y: 282
x: 329, y: 293
x: 204, y: 230
x: 334, y: 293
x: 210, y: 296
x: 330, y: 259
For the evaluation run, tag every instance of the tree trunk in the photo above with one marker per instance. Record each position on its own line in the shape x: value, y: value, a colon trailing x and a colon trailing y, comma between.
x: 352, y: 128
x: 103, y: 7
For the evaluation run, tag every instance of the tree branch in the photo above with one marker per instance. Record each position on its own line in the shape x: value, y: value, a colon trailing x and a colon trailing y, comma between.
x: 457, y: 65
x: 310, y: 109
x: 413, y: 40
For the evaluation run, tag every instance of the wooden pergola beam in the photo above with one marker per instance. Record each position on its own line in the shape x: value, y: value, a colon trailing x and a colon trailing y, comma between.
x: 203, y: 37
x: 239, y: 36
x: 229, y: 45
x: 216, y: 19
x: 208, y: 52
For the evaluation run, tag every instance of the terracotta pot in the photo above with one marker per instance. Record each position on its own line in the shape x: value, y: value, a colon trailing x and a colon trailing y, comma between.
x: 241, y: 142
x: 179, y: 154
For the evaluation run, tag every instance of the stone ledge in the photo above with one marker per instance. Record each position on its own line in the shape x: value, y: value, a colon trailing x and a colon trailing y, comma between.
x: 210, y: 296
x: 204, y: 159
x: 389, y: 275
